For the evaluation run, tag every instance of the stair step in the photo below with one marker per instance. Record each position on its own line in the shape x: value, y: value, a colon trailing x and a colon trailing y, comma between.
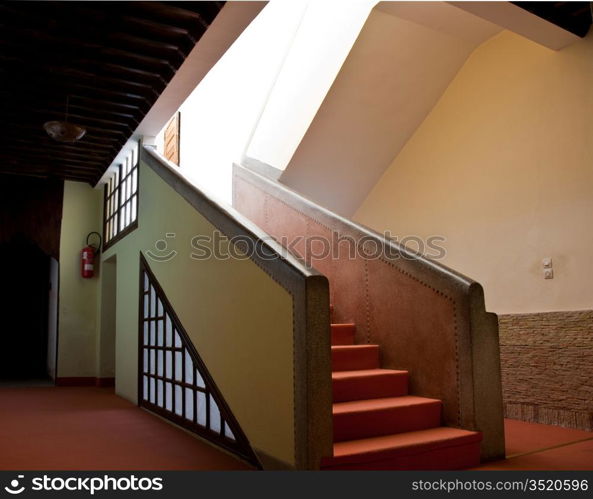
x: 384, y: 416
x: 369, y: 384
x: 433, y: 449
x: 342, y: 334
x: 355, y: 357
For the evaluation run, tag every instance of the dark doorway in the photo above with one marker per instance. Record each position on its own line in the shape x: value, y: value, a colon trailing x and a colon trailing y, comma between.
x: 24, y: 288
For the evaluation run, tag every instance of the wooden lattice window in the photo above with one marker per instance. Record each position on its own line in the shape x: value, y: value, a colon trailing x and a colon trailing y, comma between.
x: 171, y: 138
x: 173, y: 379
x: 121, y: 200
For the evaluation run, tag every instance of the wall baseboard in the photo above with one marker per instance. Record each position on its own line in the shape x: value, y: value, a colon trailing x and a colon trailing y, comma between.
x: 105, y: 382
x: 85, y: 381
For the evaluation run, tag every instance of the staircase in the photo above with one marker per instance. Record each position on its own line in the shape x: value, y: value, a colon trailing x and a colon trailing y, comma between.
x: 415, y: 309
x: 378, y: 426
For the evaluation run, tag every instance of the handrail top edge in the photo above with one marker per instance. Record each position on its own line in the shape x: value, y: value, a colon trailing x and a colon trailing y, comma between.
x: 155, y: 161
x: 441, y: 269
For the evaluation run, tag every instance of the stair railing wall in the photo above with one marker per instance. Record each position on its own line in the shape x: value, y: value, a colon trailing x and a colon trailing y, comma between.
x: 427, y: 318
x: 312, y: 432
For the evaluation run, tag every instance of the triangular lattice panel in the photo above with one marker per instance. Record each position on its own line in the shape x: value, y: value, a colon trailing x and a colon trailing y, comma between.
x: 173, y: 379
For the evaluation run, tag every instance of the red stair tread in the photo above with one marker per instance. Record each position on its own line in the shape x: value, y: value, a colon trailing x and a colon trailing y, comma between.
x: 342, y: 334
x: 364, y: 373
x: 354, y: 357
x: 381, y: 404
x: 368, y: 384
x: 384, y: 416
x: 400, y: 444
x: 378, y: 426
x: 354, y: 348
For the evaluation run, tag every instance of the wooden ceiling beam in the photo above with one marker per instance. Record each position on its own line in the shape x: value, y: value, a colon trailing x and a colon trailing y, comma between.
x: 160, y: 28
x: 172, y: 14
x: 43, y: 174
x: 57, y: 96
x: 37, y: 132
x: 72, y: 55
x: 55, y: 152
x: 50, y: 145
x: 36, y: 166
x: 32, y: 155
x: 101, y: 135
x: 33, y: 166
x: 24, y: 80
x: 124, y: 18
x: 26, y: 69
x: 24, y: 106
x: 47, y: 114
x: 110, y: 60
x: 20, y: 37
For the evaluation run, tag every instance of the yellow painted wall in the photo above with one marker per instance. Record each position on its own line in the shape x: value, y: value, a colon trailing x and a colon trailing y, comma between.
x: 503, y: 168
x: 239, y: 319
x: 78, y: 297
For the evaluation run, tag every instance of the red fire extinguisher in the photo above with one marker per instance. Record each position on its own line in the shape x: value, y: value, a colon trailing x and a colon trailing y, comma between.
x: 87, y: 260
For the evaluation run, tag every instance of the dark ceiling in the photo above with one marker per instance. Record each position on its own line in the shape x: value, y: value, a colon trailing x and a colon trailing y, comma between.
x: 571, y: 16
x: 110, y: 59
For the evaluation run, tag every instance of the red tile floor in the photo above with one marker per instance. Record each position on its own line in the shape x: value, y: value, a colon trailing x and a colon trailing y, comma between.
x: 59, y: 428
x: 531, y: 446
x: 65, y: 428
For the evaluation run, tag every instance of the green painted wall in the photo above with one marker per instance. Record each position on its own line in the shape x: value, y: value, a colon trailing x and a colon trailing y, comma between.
x: 78, y: 297
x: 239, y: 319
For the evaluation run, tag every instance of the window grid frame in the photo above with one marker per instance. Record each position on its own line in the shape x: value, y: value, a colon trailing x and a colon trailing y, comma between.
x: 125, y: 174
x: 112, y: 196
x: 149, y: 373
x: 147, y: 370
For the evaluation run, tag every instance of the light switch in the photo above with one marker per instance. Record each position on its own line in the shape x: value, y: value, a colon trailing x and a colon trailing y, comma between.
x: 548, y: 274
x: 547, y: 263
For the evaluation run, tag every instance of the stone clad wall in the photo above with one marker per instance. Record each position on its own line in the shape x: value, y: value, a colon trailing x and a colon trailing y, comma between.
x: 547, y: 367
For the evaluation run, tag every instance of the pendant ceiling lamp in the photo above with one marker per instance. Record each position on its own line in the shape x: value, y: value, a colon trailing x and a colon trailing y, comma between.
x: 63, y: 131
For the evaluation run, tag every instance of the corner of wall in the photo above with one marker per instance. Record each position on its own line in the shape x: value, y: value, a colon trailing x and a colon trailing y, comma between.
x: 78, y: 297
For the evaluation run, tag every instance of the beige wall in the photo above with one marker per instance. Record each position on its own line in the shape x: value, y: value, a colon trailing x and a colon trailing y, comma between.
x: 78, y: 297
x: 403, y: 59
x: 239, y: 319
x: 503, y: 168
